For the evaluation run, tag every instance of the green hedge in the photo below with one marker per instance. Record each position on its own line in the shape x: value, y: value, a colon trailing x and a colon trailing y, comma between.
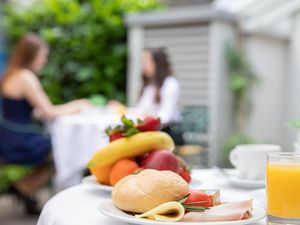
x: 9, y: 174
x: 87, y: 40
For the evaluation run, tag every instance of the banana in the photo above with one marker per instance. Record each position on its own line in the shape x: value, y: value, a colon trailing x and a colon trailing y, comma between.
x: 132, y: 146
x: 168, y: 212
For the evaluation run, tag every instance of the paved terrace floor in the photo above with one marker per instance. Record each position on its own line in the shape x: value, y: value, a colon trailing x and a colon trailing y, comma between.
x: 12, y: 211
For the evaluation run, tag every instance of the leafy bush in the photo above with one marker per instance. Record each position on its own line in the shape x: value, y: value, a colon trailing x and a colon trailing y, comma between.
x: 9, y: 174
x: 87, y: 41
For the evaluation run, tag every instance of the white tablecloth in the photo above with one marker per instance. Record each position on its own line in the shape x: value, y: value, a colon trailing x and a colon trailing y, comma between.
x: 78, y: 205
x: 75, y: 138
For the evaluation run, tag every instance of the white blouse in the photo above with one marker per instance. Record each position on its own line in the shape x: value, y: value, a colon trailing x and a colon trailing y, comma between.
x: 167, y: 109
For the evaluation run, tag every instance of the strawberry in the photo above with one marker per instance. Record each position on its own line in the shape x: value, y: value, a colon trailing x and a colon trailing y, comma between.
x: 114, y: 133
x: 125, y: 130
x: 129, y: 128
x: 115, y: 136
x: 150, y: 123
x: 185, y: 175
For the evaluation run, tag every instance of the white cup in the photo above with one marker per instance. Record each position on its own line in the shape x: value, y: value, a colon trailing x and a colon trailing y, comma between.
x: 297, y: 146
x: 250, y: 160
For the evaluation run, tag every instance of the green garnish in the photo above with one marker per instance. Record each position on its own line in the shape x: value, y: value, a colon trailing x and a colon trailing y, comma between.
x: 127, y: 128
x: 190, y: 207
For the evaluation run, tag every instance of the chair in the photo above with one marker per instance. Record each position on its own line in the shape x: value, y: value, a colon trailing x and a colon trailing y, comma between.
x: 194, y: 131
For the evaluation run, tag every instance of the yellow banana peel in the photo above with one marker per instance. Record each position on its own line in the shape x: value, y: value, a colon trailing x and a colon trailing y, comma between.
x: 132, y: 146
x: 168, y: 212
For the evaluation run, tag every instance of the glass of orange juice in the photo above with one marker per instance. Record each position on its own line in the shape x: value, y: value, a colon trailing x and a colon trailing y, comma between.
x: 283, y: 188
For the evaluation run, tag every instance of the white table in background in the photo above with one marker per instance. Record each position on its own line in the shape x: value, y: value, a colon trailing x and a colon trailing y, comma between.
x: 79, y: 205
x: 75, y: 138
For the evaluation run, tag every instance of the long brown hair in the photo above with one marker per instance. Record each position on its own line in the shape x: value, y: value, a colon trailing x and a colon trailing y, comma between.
x: 162, y: 71
x: 24, y: 53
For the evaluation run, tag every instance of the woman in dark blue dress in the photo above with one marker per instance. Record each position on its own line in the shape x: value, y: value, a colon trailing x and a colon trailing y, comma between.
x: 21, y: 144
x: 24, y: 98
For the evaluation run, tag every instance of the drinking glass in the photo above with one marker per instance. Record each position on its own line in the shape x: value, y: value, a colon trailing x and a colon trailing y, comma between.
x: 283, y: 188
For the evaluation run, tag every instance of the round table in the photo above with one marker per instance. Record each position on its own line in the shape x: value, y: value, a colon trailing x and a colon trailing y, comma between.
x: 79, y: 204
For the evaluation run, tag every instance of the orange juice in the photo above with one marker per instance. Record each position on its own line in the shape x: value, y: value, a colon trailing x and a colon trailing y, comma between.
x: 283, y: 190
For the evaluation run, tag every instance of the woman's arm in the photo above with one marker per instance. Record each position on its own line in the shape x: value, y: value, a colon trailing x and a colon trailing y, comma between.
x: 34, y: 93
x: 168, y: 107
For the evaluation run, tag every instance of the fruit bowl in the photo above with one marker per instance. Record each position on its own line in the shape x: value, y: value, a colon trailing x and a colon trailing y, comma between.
x: 133, y: 147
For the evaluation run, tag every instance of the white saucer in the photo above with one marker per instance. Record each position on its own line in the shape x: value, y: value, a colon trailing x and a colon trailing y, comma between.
x: 93, y: 183
x: 260, y: 196
x: 234, y: 179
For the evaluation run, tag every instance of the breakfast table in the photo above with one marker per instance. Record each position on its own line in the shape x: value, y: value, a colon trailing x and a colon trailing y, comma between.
x: 79, y: 204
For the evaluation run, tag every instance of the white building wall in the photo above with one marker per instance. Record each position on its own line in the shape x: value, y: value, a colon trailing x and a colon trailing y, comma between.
x: 187, y: 47
x: 268, y: 58
x: 292, y: 106
x: 221, y: 126
x: 135, y: 46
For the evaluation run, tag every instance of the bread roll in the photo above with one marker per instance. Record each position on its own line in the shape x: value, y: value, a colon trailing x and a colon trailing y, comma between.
x: 148, y: 189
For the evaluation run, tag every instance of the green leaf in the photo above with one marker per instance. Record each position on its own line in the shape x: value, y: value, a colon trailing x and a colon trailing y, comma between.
x: 127, y: 122
x: 194, y: 208
x: 131, y: 131
x: 193, y: 203
x: 182, y: 200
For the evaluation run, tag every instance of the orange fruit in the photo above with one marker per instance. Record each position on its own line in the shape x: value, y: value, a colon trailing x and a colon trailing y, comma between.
x: 102, y: 173
x: 122, y: 168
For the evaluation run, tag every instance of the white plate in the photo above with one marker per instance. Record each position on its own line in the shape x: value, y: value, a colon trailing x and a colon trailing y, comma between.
x: 93, y: 183
x: 109, y: 209
x: 234, y: 179
x: 260, y: 196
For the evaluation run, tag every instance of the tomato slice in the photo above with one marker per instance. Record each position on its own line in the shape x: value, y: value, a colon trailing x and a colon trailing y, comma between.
x: 198, y: 198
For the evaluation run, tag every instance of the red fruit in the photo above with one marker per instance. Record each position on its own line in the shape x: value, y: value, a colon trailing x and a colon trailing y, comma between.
x: 185, y: 175
x: 200, y: 199
x: 160, y: 160
x: 150, y: 123
x: 115, y: 136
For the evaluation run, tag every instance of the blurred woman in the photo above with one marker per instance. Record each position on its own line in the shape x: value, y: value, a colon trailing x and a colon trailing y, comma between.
x: 160, y: 92
x: 159, y: 95
x: 23, y: 97
x: 160, y: 89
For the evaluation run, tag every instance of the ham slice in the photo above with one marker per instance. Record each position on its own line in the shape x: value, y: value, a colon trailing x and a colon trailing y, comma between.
x: 224, y: 212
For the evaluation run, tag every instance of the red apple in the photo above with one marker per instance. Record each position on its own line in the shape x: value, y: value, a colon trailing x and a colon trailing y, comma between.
x: 160, y: 160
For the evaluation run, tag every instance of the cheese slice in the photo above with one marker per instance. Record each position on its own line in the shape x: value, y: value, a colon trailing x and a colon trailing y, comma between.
x: 169, y: 212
